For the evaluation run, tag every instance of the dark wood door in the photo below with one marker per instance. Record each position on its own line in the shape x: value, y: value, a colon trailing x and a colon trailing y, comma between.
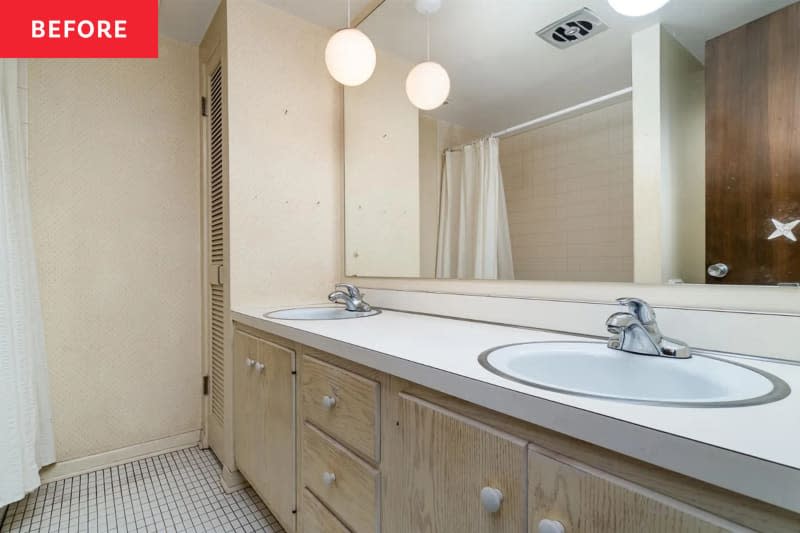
x: 753, y: 150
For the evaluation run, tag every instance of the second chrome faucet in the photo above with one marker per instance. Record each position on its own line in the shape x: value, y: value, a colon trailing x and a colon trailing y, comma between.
x: 636, y: 331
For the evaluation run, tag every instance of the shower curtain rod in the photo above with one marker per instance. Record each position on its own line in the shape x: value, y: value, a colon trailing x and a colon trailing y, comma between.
x: 608, y: 98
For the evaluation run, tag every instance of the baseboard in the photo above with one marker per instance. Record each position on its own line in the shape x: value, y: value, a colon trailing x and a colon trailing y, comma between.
x: 82, y: 465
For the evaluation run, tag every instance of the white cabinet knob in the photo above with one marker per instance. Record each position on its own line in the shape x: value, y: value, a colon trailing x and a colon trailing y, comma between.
x: 328, y: 478
x: 260, y: 367
x: 491, y: 498
x: 249, y: 362
x: 551, y: 526
x: 328, y: 402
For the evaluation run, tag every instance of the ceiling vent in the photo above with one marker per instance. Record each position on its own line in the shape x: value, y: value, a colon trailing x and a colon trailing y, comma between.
x: 572, y: 29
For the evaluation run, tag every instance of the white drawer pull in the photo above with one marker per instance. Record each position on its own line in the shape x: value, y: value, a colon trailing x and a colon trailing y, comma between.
x: 491, y: 498
x: 551, y: 526
x: 249, y: 362
x: 260, y: 367
x: 328, y: 478
x: 328, y: 402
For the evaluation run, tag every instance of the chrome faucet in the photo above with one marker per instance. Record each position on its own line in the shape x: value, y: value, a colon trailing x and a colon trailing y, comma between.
x: 351, y: 298
x: 636, y: 331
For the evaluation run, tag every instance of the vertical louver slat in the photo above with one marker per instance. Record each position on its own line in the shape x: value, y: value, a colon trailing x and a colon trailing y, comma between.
x: 217, y: 246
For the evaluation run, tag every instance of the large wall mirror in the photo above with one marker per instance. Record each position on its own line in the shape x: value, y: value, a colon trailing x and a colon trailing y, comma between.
x: 579, y: 144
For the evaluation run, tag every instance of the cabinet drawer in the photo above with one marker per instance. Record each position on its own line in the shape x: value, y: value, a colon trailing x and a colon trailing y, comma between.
x: 589, y: 501
x: 354, y: 494
x: 343, y: 404
x: 317, y: 518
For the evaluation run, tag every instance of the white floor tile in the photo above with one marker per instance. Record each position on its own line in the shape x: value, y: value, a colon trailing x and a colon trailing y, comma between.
x: 174, y: 492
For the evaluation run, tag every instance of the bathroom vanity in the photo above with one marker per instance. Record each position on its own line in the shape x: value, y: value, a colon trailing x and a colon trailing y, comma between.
x: 389, y: 423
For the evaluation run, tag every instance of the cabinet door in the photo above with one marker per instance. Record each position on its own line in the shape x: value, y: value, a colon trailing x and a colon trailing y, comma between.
x: 589, y: 501
x: 446, y: 461
x: 247, y: 425
x: 277, y: 452
x: 264, y: 429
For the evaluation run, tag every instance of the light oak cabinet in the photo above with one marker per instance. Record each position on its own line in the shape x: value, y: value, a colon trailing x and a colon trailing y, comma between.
x: 264, y: 424
x: 457, y: 475
x: 340, y: 444
x: 375, y: 453
x: 586, y: 501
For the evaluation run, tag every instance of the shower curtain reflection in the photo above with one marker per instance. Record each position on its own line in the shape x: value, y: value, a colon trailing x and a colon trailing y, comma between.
x: 474, y: 240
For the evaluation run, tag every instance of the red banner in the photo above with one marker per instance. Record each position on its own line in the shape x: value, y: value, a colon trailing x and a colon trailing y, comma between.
x: 79, y: 28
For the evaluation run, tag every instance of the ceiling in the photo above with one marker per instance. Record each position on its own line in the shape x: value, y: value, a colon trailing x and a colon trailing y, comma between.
x: 502, y: 74
x: 187, y: 20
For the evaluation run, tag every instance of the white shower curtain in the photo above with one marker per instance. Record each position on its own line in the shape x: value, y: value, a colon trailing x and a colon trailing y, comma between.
x: 474, y: 241
x: 26, y: 435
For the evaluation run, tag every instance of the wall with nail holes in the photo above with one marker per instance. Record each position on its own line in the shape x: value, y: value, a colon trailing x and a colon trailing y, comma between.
x: 285, y: 124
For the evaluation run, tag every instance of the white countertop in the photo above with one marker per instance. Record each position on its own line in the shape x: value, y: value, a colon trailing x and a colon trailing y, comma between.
x: 752, y: 450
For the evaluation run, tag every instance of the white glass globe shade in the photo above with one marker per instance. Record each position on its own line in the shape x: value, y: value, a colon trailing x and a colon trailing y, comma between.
x: 636, y: 8
x: 428, y: 85
x: 350, y: 57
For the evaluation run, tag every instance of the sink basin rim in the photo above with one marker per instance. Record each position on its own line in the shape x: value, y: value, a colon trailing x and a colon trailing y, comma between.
x: 356, y: 314
x: 780, y: 389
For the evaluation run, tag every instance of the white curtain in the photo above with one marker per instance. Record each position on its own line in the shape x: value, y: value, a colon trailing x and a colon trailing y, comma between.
x: 26, y: 436
x: 474, y: 241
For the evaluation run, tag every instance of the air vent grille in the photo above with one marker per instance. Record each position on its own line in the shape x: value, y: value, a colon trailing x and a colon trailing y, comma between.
x: 572, y: 29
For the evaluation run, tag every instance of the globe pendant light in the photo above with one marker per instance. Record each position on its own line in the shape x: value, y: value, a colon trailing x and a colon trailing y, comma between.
x: 636, y: 8
x: 350, y: 55
x: 428, y: 84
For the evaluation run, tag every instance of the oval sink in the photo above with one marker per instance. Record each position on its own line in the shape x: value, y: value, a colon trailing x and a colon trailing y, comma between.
x: 593, y: 369
x: 319, y: 313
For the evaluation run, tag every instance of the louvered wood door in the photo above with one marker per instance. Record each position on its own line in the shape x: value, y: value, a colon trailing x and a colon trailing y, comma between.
x: 218, y: 300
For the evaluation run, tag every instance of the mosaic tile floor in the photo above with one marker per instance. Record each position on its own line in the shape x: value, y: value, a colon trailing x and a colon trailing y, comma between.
x: 174, y: 492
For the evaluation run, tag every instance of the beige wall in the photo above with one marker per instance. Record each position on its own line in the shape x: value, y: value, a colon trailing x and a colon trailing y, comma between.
x: 382, y: 185
x: 430, y: 168
x: 285, y: 124
x: 683, y: 127
x: 569, y: 192
x: 669, y: 159
x: 116, y: 211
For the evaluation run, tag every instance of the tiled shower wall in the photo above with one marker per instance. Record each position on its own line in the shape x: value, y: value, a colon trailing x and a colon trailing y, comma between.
x: 569, y: 190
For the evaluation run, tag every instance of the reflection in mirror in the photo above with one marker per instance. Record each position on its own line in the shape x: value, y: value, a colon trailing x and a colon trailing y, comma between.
x: 578, y: 144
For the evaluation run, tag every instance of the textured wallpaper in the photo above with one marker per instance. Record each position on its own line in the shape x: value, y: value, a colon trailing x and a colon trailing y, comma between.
x: 286, y: 168
x: 114, y: 171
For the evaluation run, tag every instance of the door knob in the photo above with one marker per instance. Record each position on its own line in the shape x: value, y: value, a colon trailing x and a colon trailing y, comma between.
x: 491, y: 499
x: 249, y: 362
x: 328, y: 402
x: 718, y: 270
x: 260, y: 367
x: 328, y: 478
x: 551, y: 526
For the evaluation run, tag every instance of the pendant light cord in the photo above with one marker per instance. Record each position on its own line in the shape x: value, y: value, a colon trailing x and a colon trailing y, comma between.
x: 428, y: 34
x: 348, y: 14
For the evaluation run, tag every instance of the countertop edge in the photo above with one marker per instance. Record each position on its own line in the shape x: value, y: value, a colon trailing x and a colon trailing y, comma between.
x: 747, y: 475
